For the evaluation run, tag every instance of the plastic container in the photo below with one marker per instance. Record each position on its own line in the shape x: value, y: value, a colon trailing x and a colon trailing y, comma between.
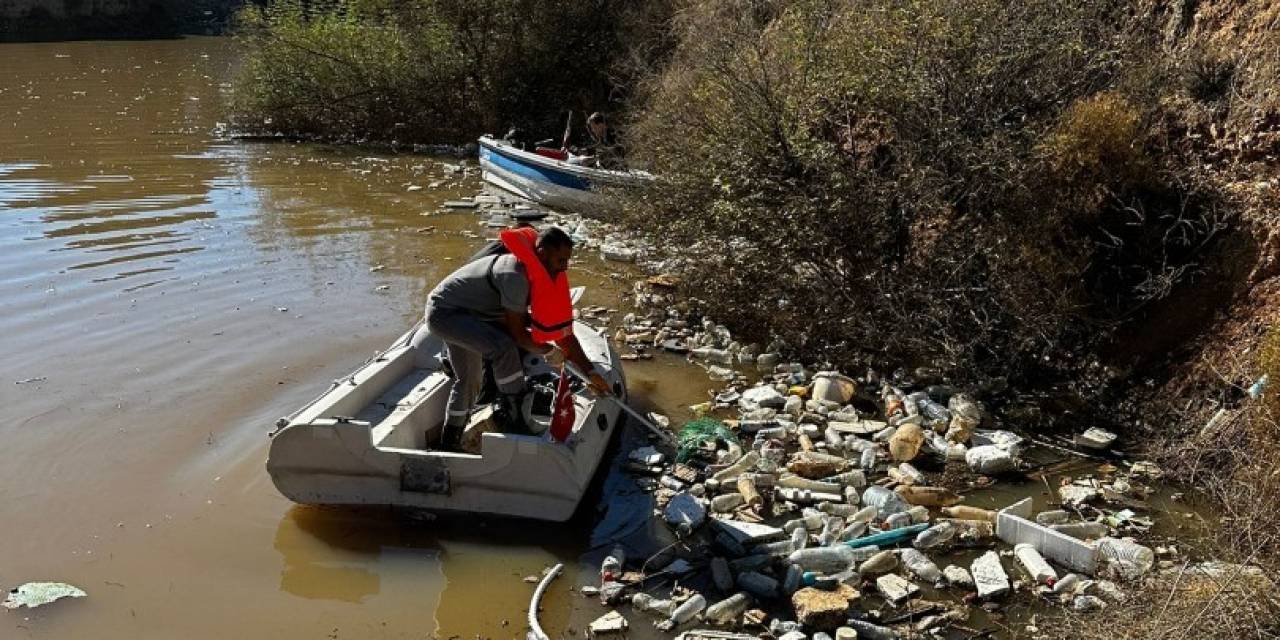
x: 868, y: 459
x: 885, y: 501
x: 727, y: 502
x: 929, y: 496
x: 935, y: 536
x: 792, y: 481
x: 743, y: 464
x: 920, y: 565
x: 1066, y: 584
x: 727, y: 611
x: 721, y: 575
x: 918, y: 514
x: 808, y: 521
x: 1035, y: 564
x: 1082, y: 530
x: 758, y: 584
x: 807, y: 497
x: 688, y: 609
x: 611, y: 567
x: 897, y: 520
x: 799, y: 538
x: 965, y: 512
x: 855, y: 479
x: 839, y: 509
x: 1128, y: 559
x: 791, y: 580
x: 646, y: 603
x: 824, y: 559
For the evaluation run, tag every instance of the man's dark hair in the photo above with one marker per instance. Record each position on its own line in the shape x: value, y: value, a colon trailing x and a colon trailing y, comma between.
x: 595, y: 118
x: 554, y: 238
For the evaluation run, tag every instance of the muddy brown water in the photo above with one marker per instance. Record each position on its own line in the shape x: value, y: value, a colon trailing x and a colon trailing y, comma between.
x: 167, y: 295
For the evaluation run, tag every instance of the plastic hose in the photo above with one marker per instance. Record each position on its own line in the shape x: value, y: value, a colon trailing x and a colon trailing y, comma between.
x: 537, y: 633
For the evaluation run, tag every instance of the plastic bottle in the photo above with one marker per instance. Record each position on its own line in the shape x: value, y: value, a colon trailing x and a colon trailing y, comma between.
x: 911, y: 473
x: 792, y: 481
x: 727, y: 502
x: 929, y: 496
x: 1066, y: 584
x: 1131, y: 559
x: 965, y: 512
x: 966, y: 415
x: 838, y: 509
x: 758, y: 584
x: 905, y: 443
x: 855, y: 479
x: 823, y: 559
x: 881, y: 562
x: 918, y: 514
x: 852, y: 496
x: 727, y: 611
x: 747, y: 487
x: 830, y: 531
x: 897, y: 520
x: 1056, y: 516
x: 852, y: 530
x: 779, y: 548
x: 873, y: 631
x: 720, y: 573
x: 799, y: 538
x: 744, y: 464
x: 646, y: 603
x: 1034, y: 563
x: 868, y: 460
x: 1082, y: 530
x: 688, y: 609
x: 791, y: 580
x: 611, y: 567
x: 806, y: 496
x: 937, y: 535
x: 807, y: 521
x: 920, y: 565
x: 892, y: 399
x: 885, y: 501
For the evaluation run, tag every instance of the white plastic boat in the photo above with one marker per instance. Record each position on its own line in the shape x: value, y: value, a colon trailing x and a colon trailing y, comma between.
x: 548, y: 181
x: 367, y: 441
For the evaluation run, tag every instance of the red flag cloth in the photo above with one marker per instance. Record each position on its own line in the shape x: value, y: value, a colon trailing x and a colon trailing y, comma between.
x: 563, y: 413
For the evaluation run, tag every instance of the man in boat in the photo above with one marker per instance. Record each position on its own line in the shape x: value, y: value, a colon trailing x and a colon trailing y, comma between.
x: 495, y: 306
x: 599, y: 148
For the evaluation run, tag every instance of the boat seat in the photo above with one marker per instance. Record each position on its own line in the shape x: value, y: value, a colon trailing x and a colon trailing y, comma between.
x: 406, y: 414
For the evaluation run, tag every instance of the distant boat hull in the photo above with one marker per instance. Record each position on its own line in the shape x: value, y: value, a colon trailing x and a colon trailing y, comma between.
x: 550, y: 182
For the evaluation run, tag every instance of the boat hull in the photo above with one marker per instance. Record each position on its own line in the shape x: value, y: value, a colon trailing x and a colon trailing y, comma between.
x: 549, y: 182
x: 347, y: 448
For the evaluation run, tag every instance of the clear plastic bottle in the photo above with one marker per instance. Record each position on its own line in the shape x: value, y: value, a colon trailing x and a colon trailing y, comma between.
x: 868, y: 459
x: 905, y: 443
x: 611, y: 567
x: 646, y: 603
x: 920, y: 565
x: 885, y: 501
x: 880, y: 563
x: 935, y: 536
x: 727, y: 611
x: 965, y: 512
x: 824, y: 559
x: 688, y: 609
x: 1035, y: 564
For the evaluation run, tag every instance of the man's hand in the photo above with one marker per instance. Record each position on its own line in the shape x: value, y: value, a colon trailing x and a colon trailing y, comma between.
x: 598, y: 385
x: 554, y: 356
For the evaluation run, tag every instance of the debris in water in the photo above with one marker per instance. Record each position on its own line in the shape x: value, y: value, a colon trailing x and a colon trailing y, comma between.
x: 31, y: 380
x: 34, y: 594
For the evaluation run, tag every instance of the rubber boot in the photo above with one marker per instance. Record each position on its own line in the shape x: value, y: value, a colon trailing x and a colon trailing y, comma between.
x: 451, y: 438
x: 510, y: 418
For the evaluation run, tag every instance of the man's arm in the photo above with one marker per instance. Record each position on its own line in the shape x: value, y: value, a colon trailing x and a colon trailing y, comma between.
x: 514, y: 323
x: 574, y: 353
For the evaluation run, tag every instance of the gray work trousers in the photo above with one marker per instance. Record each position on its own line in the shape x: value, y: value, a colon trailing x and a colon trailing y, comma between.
x: 470, y: 341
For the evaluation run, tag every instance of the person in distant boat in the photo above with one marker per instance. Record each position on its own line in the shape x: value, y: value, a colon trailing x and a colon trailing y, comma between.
x: 517, y: 297
x: 599, y: 147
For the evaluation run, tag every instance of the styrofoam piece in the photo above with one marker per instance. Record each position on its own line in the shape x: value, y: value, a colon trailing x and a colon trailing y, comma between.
x: 1069, y: 552
x: 1022, y: 508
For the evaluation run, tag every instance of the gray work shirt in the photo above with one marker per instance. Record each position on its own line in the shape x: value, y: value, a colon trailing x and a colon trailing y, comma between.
x: 472, y: 288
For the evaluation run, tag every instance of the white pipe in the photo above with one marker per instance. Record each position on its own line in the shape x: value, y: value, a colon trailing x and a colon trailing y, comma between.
x: 537, y: 633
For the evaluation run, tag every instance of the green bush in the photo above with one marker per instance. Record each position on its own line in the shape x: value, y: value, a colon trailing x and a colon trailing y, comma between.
x: 888, y: 180
x: 431, y: 70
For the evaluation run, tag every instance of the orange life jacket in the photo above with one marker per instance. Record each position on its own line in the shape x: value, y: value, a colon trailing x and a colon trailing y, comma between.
x: 550, y: 306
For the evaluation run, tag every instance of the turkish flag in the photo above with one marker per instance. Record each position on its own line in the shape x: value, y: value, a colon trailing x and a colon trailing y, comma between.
x: 563, y: 413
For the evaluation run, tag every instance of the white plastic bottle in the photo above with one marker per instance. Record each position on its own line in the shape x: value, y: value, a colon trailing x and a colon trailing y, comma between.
x: 1035, y: 564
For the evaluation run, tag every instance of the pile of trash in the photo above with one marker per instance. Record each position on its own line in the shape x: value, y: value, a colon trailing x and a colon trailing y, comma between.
x: 830, y: 506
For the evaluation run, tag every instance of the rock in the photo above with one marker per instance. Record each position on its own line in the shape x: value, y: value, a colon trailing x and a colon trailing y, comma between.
x: 1086, y: 604
x: 989, y: 576
x: 958, y: 576
x: 820, y: 609
x: 35, y: 594
x: 762, y: 396
x: 896, y: 589
x: 609, y: 624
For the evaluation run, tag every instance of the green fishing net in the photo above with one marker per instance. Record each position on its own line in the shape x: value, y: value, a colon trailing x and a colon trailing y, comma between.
x: 699, y: 432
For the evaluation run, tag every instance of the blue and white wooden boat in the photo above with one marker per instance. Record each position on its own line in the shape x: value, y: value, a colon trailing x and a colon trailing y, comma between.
x: 551, y: 182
